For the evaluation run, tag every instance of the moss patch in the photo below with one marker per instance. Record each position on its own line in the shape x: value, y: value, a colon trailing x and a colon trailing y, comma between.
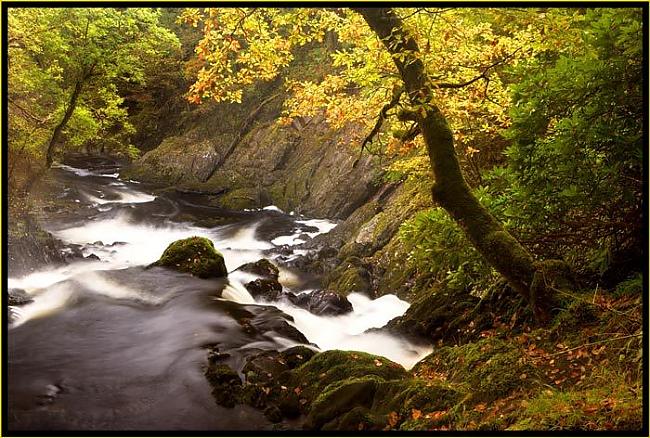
x: 195, y: 255
x: 349, y: 276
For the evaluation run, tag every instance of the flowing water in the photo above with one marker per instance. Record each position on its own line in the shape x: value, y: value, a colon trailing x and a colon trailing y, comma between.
x: 111, y: 345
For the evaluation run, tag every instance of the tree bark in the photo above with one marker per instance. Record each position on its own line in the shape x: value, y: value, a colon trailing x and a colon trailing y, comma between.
x: 501, y: 250
x: 56, y: 134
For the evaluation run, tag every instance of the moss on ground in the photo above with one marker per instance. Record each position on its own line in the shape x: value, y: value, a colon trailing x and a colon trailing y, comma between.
x: 194, y: 255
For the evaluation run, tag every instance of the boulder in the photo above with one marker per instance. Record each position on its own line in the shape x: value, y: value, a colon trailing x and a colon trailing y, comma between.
x: 322, y: 302
x: 195, y: 255
x: 263, y: 267
x: 264, y: 288
x: 18, y: 297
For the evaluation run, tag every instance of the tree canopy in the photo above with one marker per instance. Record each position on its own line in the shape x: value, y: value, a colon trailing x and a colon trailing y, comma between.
x: 65, y: 68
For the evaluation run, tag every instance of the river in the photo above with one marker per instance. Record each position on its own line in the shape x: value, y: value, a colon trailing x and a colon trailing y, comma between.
x: 111, y: 345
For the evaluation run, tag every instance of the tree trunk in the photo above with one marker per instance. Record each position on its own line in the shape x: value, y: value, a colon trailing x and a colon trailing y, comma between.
x: 56, y: 135
x: 450, y: 191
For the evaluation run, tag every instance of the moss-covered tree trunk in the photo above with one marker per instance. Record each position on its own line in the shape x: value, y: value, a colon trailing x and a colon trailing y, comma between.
x: 450, y: 190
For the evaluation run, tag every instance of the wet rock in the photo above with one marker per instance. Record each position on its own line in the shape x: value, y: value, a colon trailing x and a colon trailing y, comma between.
x: 262, y: 267
x: 256, y: 319
x: 195, y: 255
x: 322, y: 302
x: 92, y: 256
x: 267, y: 374
x: 29, y: 247
x: 273, y: 414
x: 18, y: 297
x: 98, y: 243
x: 72, y: 252
x: 264, y: 288
x: 117, y: 243
x: 226, y: 384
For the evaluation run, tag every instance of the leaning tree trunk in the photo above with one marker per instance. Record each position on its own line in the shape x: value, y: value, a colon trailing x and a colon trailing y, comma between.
x: 450, y: 191
x: 56, y: 134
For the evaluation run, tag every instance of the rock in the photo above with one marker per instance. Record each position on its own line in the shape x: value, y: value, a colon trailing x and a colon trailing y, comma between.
x: 18, y: 297
x: 273, y: 414
x: 226, y: 384
x: 92, y: 257
x: 117, y: 243
x: 262, y: 267
x: 98, y: 243
x: 334, y: 366
x: 322, y: 302
x: 72, y: 252
x: 266, y: 289
x: 195, y: 255
x: 350, y: 276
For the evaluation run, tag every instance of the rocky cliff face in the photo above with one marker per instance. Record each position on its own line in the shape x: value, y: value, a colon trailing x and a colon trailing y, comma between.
x: 304, y: 167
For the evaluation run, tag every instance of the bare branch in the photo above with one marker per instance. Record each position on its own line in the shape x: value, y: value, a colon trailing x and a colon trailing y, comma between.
x: 397, y: 94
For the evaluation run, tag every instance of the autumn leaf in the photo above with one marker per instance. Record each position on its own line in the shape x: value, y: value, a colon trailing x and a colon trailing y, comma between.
x: 416, y: 413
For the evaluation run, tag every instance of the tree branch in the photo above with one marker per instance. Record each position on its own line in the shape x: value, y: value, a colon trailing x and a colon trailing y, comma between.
x: 483, y: 75
x: 397, y: 94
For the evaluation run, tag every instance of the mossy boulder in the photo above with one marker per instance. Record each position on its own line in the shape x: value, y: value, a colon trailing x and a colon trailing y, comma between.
x: 195, y: 255
x: 437, y: 314
x: 372, y: 403
x: 335, y: 366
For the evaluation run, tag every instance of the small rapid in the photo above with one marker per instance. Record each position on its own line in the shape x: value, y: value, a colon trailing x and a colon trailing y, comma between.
x: 109, y: 305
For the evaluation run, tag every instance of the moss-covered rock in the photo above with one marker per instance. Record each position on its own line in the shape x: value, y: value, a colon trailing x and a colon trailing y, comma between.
x: 241, y: 198
x: 437, y: 314
x: 349, y: 276
x: 194, y: 255
x: 226, y: 384
x: 372, y: 403
x: 335, y: 366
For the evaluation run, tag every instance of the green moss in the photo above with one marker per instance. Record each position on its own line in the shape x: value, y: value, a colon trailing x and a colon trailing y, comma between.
x: 610, y: 405
x: 241, y: 198
x: 438, y: 313
x: 195, y: 255
x: 349, y: 276
x: 336, y: 366
x: 491, y: 368
x: 373, y: 403
x: 226, y: 385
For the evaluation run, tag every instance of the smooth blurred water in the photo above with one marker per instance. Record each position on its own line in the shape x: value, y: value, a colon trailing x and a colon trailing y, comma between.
x: 118, y: 346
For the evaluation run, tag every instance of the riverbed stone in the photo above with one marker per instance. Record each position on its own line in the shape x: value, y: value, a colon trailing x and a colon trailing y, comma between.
x: 195, y: 255
x: 18, y: 297
x: 322, y: 302
x: 263, y: 267
x: 265, y: 288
